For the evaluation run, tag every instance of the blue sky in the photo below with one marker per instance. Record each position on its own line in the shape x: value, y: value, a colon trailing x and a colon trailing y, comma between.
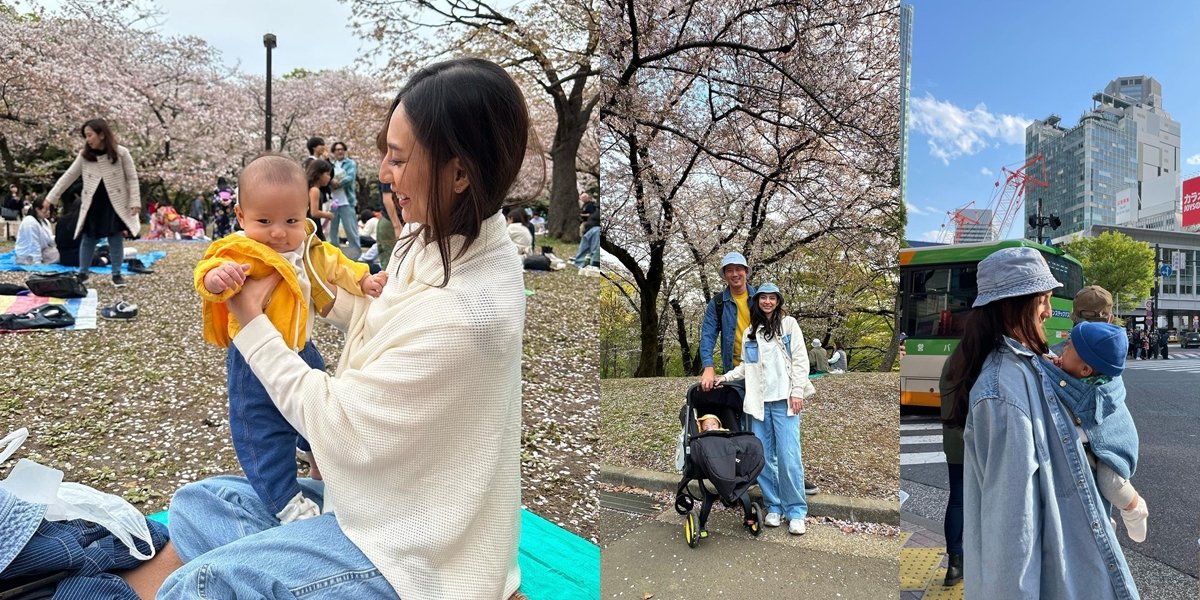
x: 982, y: 70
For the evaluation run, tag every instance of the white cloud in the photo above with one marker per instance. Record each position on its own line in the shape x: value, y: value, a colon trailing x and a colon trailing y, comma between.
x: 986, y: 172
x: 931, y: 235
x: 913, y: 209
x: 1193, y: 159
x: 954, y: 131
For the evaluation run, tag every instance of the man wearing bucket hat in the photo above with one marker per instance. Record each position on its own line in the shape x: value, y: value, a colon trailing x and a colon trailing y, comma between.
x: 727, y: 316
x: 775, y: 370
x: 1031, y: 505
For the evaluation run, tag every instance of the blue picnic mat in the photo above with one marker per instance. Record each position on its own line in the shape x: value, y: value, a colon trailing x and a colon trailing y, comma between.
x: 555, y: 563
x: 8, y: 262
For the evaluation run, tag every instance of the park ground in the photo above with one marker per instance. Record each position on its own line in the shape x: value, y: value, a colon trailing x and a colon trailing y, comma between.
x: 138, y: 408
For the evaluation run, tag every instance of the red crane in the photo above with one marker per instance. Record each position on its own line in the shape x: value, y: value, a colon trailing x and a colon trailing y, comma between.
x: 1007, y: 202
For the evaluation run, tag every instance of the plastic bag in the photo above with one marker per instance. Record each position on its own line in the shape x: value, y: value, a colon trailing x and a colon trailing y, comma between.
x: 65, y: 501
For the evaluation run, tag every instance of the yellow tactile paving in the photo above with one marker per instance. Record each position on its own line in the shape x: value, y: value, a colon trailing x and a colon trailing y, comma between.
x: 904, y: 535
x: 916, y: 566
x: 936, y: 591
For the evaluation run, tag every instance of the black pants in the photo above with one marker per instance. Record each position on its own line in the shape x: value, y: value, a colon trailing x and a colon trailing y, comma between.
x: 954, y: 510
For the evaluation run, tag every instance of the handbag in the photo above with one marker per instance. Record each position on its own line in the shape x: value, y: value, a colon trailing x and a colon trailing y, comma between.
x: 56, y: 285
x: 10, y: 214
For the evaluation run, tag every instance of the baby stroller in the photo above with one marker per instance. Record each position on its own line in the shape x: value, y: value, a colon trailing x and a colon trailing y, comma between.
x: 724, y: 462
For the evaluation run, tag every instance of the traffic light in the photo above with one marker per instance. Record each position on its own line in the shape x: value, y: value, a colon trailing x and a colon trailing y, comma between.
x: 1055, y: 222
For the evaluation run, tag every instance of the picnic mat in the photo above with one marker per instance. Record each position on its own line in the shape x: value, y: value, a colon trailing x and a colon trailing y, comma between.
x: 83, y: 309
x: 8, y: 262
x: 555, y: 563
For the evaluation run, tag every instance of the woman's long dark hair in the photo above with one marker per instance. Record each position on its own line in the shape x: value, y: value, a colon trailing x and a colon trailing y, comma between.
x: 100, y: 126
x: 472, y: 110
x: 315, y: 169
x: 984, y: 332
x: 771, y: 324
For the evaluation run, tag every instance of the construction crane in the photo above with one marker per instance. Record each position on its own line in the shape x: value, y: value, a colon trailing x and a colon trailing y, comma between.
x: 969, y: 223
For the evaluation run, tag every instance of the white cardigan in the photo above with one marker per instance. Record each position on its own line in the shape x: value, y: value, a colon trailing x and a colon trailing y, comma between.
x: 419, y: 433
x: 752, y: 403
x: 120, y: 180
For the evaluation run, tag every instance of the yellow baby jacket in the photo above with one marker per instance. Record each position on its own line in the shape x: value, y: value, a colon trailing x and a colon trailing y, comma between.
x: 287, y: 307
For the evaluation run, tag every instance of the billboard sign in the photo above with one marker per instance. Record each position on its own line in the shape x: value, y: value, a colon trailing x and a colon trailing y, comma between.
x: 1191, y: 202
x: 1125, y: 206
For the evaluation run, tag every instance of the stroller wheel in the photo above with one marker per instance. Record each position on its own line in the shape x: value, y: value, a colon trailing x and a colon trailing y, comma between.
x: 754, y: 520
x: 683, y: 504
x: 690, y: 532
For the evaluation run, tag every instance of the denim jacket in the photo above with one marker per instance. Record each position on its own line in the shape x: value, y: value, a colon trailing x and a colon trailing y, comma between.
x: 728, y: 331
x: 1034, y: 524
x: 1101, y: 412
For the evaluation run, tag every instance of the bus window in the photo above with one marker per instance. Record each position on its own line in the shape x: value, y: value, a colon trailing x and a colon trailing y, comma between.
x: 937, y: 300
x: 1067, y: 273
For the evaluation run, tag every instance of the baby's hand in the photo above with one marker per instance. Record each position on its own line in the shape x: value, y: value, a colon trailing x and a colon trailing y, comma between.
x: 372, y: 285
x: 226, y: 276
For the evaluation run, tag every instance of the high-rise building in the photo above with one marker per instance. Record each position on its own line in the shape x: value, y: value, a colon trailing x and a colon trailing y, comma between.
x: 906, y: 20
x: 973, y: 225
x: 1126, y: 147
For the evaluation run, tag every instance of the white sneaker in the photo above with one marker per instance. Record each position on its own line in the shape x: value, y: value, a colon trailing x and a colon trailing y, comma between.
x: 796, y: 526
x: 773, y: 520
x: 1135, y: 521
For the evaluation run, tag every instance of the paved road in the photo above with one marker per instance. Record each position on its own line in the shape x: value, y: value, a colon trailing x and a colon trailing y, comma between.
x: 1164, y: 398
x: 646, y: 554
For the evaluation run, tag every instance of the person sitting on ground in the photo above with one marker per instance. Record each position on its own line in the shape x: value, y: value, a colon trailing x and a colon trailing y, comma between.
x: 1090, y: 386
x: 276, y: 238
x: 837, y: 360
x: 35, y: 238
x: 817, y: 359
x: 368, y: 221
x: 518, y: 231
x: 589, y: 245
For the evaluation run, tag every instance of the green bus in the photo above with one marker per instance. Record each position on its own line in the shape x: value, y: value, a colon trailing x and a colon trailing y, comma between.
x: 937, y: 288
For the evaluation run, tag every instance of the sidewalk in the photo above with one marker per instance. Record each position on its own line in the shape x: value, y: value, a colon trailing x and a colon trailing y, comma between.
x: 923, y: 561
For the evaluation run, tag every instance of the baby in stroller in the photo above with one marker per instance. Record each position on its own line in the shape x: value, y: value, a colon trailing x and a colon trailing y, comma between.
x: 721, y: 455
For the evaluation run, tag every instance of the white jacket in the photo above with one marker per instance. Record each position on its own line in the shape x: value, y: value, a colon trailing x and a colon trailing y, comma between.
x: 752, y: 372
x: 120, y: 180
x: 419, y: 432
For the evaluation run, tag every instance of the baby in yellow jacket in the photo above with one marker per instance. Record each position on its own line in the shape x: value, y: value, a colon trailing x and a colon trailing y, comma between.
x: 277, y: 237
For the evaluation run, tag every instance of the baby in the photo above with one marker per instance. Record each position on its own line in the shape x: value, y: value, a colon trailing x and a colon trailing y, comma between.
x: 277, y: 237
x: 1090, y: 386
x: 710, y: 423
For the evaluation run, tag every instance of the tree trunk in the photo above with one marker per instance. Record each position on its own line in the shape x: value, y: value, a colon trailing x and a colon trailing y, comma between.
x: 563, y: 218
x: 649, y: 363
x: 690, y: 360
x: 889, y: 358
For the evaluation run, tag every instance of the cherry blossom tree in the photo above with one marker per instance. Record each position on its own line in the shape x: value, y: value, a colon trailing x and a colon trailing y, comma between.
x: 762, y: 127
x: 549, y: 47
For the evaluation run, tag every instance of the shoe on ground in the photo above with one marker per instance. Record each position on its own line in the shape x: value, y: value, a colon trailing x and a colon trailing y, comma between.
x: 954, y: 571
x: 703, y: 534
x: 120, y: 311
x: 82, y: 276
x: 811, y: 489
x: 773, y: 520
x: 796, y: 526
x: 1135, y: 521
x: 118, y: 281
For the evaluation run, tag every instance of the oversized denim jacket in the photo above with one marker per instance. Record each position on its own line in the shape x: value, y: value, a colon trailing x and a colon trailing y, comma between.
x: 1034, y: 526
x: 1101, y: 412
x: 727, y: 329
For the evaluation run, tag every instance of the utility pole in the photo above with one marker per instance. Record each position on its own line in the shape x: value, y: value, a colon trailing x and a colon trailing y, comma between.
x: 269, y: 42
x: 1154, y: 292
x: 1039, y: 223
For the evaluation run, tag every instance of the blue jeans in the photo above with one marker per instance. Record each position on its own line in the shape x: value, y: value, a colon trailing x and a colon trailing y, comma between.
x: 345, y: 216
x: 234, y: 547
x: 116, y: 251
x: 782, y: 479
x: 264, y: 441
x: 590, y: 244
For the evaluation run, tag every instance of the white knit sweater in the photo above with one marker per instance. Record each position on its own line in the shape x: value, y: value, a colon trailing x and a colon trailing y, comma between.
x: 418, y: 434
x: 120, y: 181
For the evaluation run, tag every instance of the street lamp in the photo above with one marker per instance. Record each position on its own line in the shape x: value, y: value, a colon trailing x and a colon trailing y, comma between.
x: 269, y: 42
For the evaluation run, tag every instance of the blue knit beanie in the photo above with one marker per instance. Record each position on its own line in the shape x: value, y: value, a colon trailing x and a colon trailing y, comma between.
x: 1102, y: 346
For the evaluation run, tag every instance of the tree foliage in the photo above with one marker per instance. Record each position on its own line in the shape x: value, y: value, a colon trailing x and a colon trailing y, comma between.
x: 762, y: 127
x: 1117, y: 263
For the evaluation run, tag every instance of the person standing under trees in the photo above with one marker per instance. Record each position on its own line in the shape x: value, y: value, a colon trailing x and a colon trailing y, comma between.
x: 775, y: 368
x: 1033, y: 526
x: 344, y: 198
x: 112, y: 197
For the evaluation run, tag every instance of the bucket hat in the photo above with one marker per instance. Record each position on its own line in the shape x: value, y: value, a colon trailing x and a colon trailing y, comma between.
x: 1012, y: 272
x: 767, y: 288
x: 734, y: 258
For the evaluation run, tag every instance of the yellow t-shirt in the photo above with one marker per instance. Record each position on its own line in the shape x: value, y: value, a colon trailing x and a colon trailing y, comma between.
x: 743, y: 321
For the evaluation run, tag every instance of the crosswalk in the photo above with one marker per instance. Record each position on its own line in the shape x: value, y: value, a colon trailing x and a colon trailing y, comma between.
x: 921, y: 440
x: 1177, y: 364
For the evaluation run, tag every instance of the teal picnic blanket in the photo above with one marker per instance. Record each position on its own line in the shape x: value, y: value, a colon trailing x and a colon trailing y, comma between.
x: 555, y: 563
x: 8, y: 262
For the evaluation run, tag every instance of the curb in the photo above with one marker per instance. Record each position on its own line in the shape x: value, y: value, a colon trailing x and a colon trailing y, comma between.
x: 845, y: 508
